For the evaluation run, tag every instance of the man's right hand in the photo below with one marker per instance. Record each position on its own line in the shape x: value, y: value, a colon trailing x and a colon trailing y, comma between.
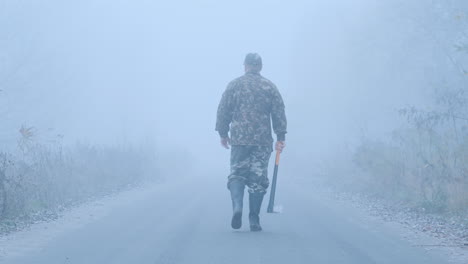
x: 225, y: 142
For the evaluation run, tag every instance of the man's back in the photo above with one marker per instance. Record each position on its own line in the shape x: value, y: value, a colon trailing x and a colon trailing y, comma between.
x: 247, y: 104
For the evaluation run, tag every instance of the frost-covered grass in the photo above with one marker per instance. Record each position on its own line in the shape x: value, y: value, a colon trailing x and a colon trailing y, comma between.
x: 41, y: 178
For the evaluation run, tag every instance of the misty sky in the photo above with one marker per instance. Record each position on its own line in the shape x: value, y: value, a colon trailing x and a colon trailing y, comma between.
x: 131, y: 71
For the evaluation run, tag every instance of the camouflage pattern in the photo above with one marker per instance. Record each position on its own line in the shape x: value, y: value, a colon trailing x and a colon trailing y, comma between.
x: 247, y: 107
x: 249, y: 165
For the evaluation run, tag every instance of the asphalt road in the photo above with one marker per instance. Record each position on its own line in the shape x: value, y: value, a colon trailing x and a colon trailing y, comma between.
x: 188, y: 222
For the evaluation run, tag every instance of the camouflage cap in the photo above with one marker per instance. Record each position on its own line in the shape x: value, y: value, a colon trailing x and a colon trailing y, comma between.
x: 253, y: 59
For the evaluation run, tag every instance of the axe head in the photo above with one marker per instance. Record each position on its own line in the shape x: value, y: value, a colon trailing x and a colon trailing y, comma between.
x: 277, y: 209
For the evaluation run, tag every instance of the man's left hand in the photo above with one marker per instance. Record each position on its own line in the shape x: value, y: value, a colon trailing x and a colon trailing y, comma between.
x: 225, y: 142
x: 280, y: 145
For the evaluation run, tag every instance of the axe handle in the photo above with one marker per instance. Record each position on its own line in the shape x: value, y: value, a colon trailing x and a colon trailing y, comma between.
x: 271, y: 203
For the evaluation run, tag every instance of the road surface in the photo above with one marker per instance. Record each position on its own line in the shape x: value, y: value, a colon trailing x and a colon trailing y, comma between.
x: 188, y: 222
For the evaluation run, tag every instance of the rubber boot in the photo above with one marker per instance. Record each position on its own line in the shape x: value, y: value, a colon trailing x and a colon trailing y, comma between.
x: 255, y: 203
x: 237, y: 197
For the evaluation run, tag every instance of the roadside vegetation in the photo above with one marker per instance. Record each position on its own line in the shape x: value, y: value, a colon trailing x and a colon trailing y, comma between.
x: 424, y: 162
x: 41, y: 178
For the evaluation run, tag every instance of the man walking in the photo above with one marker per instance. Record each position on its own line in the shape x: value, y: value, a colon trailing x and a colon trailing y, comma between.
x: 248, y: 108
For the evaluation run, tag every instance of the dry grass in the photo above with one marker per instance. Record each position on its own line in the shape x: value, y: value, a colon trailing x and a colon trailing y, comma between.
x: 46, y: 177
x: 425, y: 173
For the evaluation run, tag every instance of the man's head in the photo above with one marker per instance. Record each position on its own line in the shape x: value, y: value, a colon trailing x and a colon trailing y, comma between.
x: 253, y: 63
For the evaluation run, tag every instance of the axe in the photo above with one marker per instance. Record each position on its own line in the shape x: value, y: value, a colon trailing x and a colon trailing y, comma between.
x: 271, y: 204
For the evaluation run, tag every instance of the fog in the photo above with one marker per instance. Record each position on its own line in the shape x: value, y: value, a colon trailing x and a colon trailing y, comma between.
x: 117, y: 71
x: 97, y: 95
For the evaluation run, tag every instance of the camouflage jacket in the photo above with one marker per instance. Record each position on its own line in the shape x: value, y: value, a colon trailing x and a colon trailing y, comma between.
x: 247, y: 108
